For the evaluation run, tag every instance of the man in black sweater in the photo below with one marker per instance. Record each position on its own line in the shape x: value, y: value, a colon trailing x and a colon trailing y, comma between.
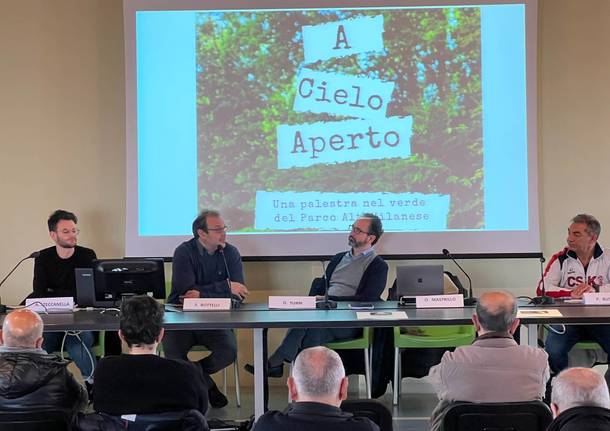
x: 317, y: 386
x: 580, y: 401
x: 54, y: 277
x: 141, y: 382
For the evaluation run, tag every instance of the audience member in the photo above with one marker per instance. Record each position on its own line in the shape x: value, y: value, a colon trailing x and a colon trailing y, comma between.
x: 494, y: 368
x: 141, y: 382
x: 317, y: 387
x: 31, y: 379
x: 580, y: 401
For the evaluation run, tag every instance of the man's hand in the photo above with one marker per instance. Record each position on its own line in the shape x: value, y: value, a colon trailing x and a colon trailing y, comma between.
x: 580, y: 289
x: 193, y: 293
x: 239, y: 289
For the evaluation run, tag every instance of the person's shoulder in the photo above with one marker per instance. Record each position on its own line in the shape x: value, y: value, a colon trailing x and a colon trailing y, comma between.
x: 379, y: 261
x: 186, y: 246
x: 362, y: 424
x: 85, y: 251
x: 47, y: 253
x: 230, y: 248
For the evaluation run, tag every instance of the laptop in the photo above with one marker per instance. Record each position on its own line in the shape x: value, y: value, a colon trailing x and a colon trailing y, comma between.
x: 418, y: 280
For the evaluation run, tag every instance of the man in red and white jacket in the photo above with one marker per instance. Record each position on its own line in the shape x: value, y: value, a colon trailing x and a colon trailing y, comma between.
x: 583, y: 266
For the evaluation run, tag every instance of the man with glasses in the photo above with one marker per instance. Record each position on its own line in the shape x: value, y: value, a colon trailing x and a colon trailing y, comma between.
x: 54, y: 277
x: 199, y: 270
x: 354, y: 275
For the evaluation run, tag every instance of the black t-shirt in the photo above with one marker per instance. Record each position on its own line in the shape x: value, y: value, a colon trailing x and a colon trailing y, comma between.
x: 54, y: 276
x: 140, y: 384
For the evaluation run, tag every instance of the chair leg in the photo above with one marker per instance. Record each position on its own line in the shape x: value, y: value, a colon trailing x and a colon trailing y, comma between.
x: 290, y: 375
x: 224, y: 380
x: 237, y: 385
x: 396, y: 387
x: 367, y: 372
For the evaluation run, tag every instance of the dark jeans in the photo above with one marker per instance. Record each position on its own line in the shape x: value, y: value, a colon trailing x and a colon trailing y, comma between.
x: 297, y: 339
x: 220, y: 342
x: 79, y: 349
x: 558, y: 345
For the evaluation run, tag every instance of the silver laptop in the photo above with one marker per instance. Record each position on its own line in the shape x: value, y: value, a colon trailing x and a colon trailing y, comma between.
x: 417, y: 280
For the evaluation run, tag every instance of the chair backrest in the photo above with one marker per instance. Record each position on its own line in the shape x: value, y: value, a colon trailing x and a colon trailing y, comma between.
x: 371, y: 409
x: 520, y: 416
x: 186, y: 420
x: 35, y: 420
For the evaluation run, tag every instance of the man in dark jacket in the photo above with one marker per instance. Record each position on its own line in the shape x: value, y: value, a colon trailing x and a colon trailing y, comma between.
x: 317, y: 386
x: 355, y: 275
x: 580, y: 401
x: 31, y: 379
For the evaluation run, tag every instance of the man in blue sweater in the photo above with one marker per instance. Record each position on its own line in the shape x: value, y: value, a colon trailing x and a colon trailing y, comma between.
x: 354, y: 275
x: 199, y: 270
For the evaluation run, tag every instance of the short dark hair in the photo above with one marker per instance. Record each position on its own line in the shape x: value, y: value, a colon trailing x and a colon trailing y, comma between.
x: 594, y: 228
x: 141, y: 320
x: 201, y: 222
x: 60, y: 215
x: 376, y: 226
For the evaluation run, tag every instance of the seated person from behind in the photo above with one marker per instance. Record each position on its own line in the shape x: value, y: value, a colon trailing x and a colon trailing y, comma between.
x: 494, y: 368
x: 355, y: 275
x: 54, y: 277
x: 317, y: 387
x: 580, y: 401
x: 141, y: 382
x: 31, y: 379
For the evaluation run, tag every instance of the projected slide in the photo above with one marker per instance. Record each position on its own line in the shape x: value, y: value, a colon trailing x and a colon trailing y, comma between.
x: 294, y: 121
x: 306, y: 119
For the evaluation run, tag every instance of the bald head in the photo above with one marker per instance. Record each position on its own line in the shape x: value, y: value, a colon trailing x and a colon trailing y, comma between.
x: 318, y: 373
x: 577, y: 387
x: 22, y: 328
x: 496, y: 311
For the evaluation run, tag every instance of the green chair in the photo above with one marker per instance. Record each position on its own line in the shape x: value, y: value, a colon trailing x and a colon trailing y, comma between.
x: 364, y: 343
x: 168, y: 288
x: 428, y: 337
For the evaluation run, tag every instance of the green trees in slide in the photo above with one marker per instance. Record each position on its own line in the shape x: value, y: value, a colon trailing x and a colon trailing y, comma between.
x: 246, y: 68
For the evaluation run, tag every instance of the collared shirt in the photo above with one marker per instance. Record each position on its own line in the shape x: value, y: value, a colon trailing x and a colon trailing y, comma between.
x: 37, y: 350
x: 348, y: 273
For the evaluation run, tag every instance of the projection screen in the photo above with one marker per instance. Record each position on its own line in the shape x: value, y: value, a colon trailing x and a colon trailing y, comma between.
x: 292, y: 118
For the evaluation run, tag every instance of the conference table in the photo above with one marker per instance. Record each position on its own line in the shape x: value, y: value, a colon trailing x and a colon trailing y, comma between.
x: 260, y: 318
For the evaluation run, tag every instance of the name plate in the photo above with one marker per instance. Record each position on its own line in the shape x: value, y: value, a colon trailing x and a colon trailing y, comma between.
x: 50, y: 305
x: 594, y: 298
x: 439, y: 301
x: 206, y: 304
x: 292, y: 302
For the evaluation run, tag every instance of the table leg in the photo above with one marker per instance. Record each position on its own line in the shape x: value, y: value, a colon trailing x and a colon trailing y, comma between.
x: 259, y: 373
x: 532, y: 335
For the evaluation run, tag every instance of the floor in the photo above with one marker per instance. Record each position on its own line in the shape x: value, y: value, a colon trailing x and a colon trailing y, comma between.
x: 412, y: 413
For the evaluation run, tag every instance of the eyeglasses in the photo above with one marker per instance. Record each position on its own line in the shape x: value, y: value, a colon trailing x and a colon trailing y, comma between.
x: 68, y: 231
x: 218, y: 229
x: 357, y: 230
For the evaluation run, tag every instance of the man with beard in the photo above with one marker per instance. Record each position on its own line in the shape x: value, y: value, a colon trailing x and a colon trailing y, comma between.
x: 54, y: 277
x: 355, y: 275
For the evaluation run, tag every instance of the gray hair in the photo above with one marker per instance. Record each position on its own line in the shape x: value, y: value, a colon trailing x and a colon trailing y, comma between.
x: 594, y: 228
x: 496, y: 311
x: 20, y: 335
x: 318, y: 372
x: 578, y: 386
